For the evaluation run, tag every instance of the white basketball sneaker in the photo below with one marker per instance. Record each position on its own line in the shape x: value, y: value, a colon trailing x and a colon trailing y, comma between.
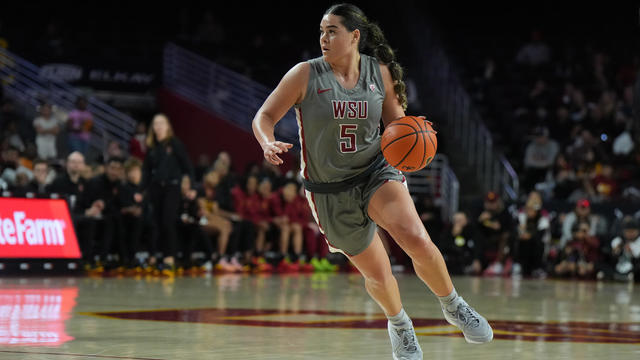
x: 404, y: 343
x: 475, y: 328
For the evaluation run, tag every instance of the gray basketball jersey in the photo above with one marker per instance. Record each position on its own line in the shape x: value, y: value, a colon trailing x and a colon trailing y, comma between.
x: 339, y: 128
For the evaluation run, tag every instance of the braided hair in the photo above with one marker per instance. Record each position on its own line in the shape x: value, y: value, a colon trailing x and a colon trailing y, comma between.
x: 372, y: 42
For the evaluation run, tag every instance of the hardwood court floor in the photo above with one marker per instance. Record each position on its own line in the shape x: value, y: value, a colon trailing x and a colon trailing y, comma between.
x: 318, y: 316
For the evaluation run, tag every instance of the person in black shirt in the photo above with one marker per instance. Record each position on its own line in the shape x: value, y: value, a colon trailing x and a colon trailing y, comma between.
x: 70, y: 184
x: 494, y: 227
x: 460, y: 247
x: 105, y: 189
x: 165, y: 164
x: 133, y: 214
x: 36, y: 188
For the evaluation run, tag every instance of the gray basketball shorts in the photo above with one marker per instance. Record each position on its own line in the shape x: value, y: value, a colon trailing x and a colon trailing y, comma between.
x: 343, y: 217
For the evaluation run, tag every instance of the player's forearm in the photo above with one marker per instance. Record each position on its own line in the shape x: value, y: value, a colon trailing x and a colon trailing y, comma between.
x: 263, y: 128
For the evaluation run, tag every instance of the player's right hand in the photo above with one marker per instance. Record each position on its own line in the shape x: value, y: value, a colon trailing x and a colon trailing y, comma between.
x: 273, y: 148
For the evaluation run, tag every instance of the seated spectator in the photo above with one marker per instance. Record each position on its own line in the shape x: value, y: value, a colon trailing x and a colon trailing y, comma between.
x: 533, y: 234
x: 70, y: 185
x: 11, y: 135
x: 539, y: 158
x: 190, y: 230
x: 622, y: 259
x: 254, y: 208
x: 37, y: 188
x: 580, y: 254
x: 47, y: 128
x: 11, y: 167
x: 216, y: 224
x: 114, y: 149
x: 582, y: 212
x: 565, y: 180
x: 137, y: 143
x: 79, y: 124
x: 605, y: 185
x: 291, y: 210
x: 106, y: 231
x: 495, y: 226
x: 460, y: 247
x: 243, y: 233
x: 133, y: 213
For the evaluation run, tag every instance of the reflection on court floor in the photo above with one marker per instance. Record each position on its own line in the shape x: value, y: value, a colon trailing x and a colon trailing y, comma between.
x: 305, y: 317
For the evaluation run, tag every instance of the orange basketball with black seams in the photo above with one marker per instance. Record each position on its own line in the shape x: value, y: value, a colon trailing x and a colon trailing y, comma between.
x: 409, y: 143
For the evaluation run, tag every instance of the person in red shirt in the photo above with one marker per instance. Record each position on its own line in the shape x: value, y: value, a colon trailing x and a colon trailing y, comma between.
x: 254, y: 209
x: 283, y: 210
x: 137, y: 145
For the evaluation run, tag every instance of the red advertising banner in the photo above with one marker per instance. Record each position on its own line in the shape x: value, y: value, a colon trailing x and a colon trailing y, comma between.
x: 36, y: 228
x: 35, y: 317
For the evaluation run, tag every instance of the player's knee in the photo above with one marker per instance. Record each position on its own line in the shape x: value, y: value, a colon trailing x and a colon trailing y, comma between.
x: 379, y: 278
x: 421, y: 248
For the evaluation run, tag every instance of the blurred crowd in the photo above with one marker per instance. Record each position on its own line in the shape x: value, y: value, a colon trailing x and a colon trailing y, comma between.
x: 564, y: 116
x: 529, y: 240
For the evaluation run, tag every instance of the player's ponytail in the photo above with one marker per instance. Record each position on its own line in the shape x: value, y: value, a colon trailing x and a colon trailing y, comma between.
x: 372, y: 42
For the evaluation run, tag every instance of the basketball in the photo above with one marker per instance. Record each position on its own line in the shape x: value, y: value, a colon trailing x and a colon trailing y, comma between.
x: 409, y: 143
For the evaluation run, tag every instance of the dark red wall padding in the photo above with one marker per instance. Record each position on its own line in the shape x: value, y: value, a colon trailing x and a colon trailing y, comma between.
x: 204, y: 133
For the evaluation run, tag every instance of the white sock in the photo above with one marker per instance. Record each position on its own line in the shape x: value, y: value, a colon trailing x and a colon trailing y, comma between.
x: 449, y: 300
x: 400, y: 320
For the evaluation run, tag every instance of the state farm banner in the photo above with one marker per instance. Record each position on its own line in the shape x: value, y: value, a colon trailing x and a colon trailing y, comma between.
x: 36, y: 228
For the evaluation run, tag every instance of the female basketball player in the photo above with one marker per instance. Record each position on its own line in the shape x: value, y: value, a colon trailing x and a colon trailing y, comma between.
x: 339, y: 99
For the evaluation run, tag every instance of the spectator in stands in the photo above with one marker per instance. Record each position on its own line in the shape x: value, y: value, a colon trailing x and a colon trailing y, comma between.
x: 243, y: 234
x: 534, y: 53
x: 38, y: 186
x: 565, y: 180
x: 70, y: 184
x: 137, y: 143
x: 216, y: 224
x: 106, y: 189
x: 582, y: 212
x: 578, y: 109
x: 11, y: 166
x: 622, y: 260
x: 533, y: 234
x: 253, y: 208
x: 202, y: 166
x: 191, y: 231
x: 12, y: 136
x: 133, y: 214
x: 164, y: 166
x: 605, y: 185
x: 293, y: 212
x: 79, y: 125
x: 539, y: 158
x: 495, y: 226
x: 581, y: 253
x: 114, y: 149
x: 47, y: 128
x: 460, y: 247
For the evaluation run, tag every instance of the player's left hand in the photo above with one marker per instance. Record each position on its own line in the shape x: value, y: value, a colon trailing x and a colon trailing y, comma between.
x: 272, y: 149
x: 425, y: 119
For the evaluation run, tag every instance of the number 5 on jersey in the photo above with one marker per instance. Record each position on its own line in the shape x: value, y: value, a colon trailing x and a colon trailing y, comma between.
x: 348, y: 138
